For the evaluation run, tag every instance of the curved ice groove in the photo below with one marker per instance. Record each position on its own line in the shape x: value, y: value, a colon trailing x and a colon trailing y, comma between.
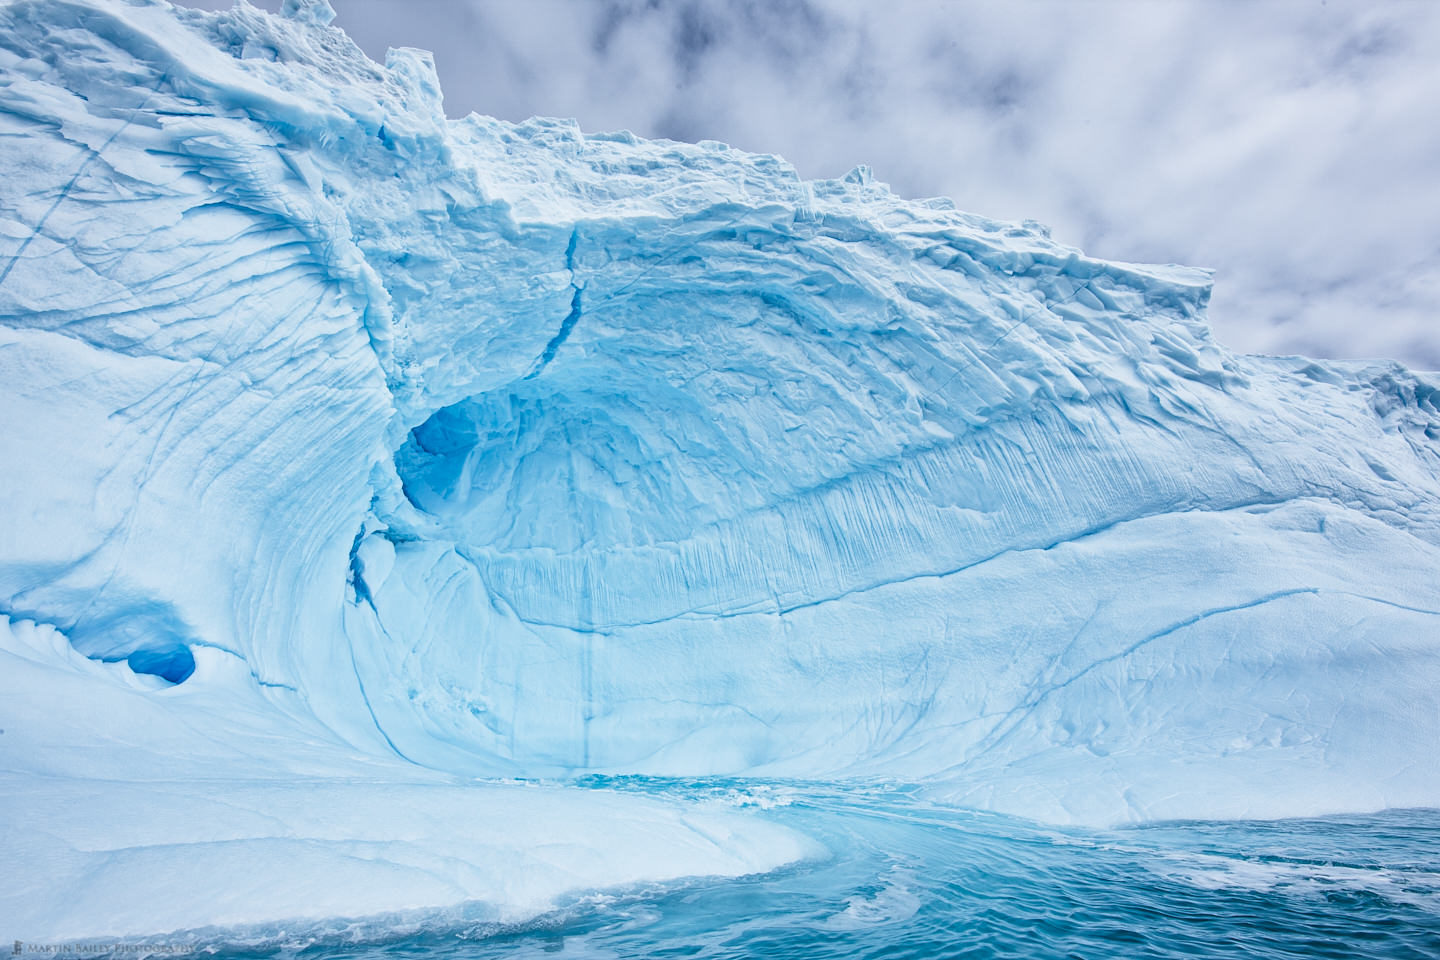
x: 511, y: 450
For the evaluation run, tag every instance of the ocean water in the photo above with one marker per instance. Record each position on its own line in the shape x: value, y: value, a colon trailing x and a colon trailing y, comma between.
x: 907, y: 878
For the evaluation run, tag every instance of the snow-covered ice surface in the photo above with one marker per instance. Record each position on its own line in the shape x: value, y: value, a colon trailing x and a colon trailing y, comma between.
x: 351, y: 454
x: 131, y: 810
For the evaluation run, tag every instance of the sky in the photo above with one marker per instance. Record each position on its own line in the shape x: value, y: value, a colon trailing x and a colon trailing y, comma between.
x: 1292, y: 146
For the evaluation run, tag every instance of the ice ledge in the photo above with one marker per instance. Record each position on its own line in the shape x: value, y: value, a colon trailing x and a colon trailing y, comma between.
x: 117, y: 859
x: 133, y: 810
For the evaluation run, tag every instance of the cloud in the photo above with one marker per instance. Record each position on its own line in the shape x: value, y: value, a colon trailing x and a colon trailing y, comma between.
x: 1288, y: 145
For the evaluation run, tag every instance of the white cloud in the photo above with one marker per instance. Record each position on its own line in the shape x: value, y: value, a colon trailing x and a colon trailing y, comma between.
x: 1289, y: 145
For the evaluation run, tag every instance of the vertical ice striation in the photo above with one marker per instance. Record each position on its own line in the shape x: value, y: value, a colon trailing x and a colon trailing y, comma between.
x: 478, y: 448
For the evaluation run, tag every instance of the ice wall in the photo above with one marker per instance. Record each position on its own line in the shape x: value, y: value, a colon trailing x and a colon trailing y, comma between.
x: 505, y: 449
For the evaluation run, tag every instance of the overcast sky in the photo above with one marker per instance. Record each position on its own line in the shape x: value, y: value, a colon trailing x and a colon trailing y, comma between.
x: 1291, y: 145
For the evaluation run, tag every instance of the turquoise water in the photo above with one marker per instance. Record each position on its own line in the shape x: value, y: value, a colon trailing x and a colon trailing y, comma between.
x: 906, y: 878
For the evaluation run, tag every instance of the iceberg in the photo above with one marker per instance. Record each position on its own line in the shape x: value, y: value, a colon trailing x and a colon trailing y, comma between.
x: 370, y: 476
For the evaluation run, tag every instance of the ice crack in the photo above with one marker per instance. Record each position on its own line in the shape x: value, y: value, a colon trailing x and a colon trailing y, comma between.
x: 572, y: 318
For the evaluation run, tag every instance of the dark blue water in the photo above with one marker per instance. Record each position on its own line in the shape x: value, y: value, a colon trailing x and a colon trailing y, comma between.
x: 907, y: 878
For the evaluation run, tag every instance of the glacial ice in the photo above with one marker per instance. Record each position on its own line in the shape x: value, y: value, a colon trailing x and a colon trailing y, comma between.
x: 354, y: 453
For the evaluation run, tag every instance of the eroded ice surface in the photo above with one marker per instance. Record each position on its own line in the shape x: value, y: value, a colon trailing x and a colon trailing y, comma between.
x: 444, y: 449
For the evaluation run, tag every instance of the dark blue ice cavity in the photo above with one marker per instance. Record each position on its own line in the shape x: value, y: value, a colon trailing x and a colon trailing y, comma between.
x: 175, y: 664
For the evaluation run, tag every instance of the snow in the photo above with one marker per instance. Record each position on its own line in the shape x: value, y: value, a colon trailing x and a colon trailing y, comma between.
x: 134, y: 807
x: 452, y: 449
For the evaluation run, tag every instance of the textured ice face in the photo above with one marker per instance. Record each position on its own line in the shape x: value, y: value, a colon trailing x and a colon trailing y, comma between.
x: 507, y: 449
